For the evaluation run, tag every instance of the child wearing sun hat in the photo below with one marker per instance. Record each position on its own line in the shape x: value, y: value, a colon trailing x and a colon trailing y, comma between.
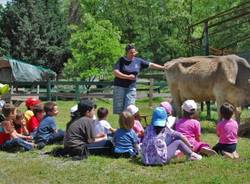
x: 138, y: 128
x: 169, y: 110
x: 191, y: 129
x: 30, y: 103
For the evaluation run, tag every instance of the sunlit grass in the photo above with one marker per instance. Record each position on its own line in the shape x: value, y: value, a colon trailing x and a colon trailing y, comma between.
x: 37, y: 167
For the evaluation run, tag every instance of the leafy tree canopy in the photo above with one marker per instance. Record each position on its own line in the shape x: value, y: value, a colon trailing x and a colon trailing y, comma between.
x: 35, y: 31
x: 95, y: 46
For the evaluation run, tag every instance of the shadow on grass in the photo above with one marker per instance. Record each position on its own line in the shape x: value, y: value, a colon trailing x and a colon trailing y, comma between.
x: 60, y: 152
x: 13, y: 150
x: 174, y: 161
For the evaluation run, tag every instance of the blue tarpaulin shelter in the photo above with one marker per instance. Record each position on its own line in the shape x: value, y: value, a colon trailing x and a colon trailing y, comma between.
x: 12, y: 70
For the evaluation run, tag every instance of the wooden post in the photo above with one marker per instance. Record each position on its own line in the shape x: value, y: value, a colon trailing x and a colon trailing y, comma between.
x: 77, y: 92
x: 207, y: 53
x: 202, y: 106
x: 49, y: 96
x: 56, y: 92
x: 12, y: 89
x: 38, y: 89
x: 151, y: 91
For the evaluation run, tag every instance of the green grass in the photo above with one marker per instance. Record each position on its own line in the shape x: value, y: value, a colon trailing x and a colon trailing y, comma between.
x: 36, y: 167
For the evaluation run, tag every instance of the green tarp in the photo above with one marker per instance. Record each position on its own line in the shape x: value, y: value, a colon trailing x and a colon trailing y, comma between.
x: 14, y: 70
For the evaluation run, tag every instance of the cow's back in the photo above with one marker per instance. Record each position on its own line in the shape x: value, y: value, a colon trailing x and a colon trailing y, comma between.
x: 192, y: 77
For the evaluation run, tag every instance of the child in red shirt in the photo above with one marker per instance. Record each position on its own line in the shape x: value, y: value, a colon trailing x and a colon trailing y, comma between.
x: 30, y: 103
x: 9, y: 138
x: 35, y: 120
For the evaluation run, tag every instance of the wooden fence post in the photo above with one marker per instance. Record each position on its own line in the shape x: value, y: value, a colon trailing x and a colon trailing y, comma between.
x: 207, y: 53
x: 77, y: 92
x: 49, y: 96
x: 151, y: 91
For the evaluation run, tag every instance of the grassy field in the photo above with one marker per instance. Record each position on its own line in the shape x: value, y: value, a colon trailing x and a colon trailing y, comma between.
x: 37, y: 167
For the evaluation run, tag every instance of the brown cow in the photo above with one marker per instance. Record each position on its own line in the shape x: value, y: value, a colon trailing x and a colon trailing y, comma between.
x: 217, y: 78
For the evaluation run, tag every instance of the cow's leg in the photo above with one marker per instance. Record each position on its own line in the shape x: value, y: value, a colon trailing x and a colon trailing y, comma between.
x: 177, y: 102
x: 237, y: 114
x: 219, y: 100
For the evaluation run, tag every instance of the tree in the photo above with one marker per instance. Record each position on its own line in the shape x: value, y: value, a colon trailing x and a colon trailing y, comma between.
x: 72, y: 11
x: 35, y: 31
x: 162, y: 25
x: 151, y: 25
x: 95, y: 47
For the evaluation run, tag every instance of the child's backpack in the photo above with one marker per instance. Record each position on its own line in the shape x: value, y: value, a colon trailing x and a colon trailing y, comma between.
x: 154, y: 148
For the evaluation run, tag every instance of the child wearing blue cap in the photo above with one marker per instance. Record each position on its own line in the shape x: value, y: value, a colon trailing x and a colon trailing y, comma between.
x: 160, y: 143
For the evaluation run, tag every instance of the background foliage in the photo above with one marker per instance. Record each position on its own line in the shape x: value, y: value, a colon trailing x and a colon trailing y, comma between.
x: 86, y: 35
x: 35, y: 31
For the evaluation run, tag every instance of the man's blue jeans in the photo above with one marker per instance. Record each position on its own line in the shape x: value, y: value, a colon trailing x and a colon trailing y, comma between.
x: 123, y: 97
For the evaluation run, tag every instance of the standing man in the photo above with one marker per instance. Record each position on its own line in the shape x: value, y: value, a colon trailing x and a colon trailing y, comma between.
x: 125, y: 71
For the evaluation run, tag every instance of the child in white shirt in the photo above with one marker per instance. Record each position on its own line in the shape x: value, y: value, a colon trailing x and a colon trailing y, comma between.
x: 102, y: 126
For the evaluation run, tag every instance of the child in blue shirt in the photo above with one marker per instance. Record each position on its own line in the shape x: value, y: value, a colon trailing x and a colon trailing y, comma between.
x: 125, y: 139
x: 47, y: 132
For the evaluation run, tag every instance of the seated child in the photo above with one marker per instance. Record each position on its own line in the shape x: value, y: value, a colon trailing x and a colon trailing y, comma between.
x: 191, y: 129
x: 47, y: 132
x: 80, y: 138
x: 9, y: 138
x: 169, y: 110
x: 227, y: 130
x: 35, y: 120
x: 20, y: 123
x: 73, y: 110
x: 125, y: 139
x: 160, y: 143
x: 102, y: 126
x: 30, y: 102
x: 138, y: 128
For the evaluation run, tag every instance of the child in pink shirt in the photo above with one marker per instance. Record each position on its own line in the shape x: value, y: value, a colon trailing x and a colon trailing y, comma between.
x: 138, y: 128
x: 227, y: 130
x: 169, y: 110
x: 190, y: 128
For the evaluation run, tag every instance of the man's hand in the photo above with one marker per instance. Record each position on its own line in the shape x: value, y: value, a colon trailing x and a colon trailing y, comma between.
x: 131, y: 77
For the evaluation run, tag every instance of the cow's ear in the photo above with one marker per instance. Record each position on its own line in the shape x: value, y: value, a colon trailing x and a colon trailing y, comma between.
x: 230, y: 68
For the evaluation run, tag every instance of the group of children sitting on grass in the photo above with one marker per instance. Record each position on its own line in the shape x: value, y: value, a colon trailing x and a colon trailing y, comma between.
x: 165, y: 138
x: 32, y: 129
